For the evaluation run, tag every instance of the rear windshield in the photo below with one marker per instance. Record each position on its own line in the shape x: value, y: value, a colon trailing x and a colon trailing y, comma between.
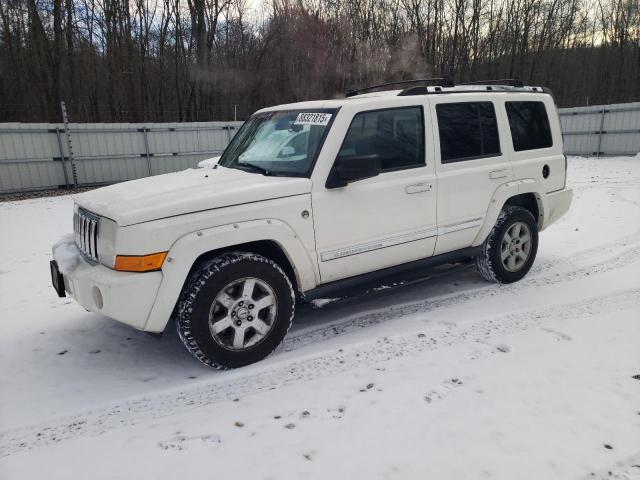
x: 529, y: 125
x: 284, y: 143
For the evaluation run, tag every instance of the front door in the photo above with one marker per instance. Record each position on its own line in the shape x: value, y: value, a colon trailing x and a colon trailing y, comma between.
x: 386, y: 220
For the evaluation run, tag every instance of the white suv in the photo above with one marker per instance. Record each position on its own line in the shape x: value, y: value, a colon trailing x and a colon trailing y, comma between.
x: 310, y: 194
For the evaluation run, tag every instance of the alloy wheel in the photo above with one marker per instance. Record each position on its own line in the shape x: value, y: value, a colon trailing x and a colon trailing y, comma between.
x: 242, y: 313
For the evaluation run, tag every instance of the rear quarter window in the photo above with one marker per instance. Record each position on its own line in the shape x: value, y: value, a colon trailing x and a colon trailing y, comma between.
x: 529, y: 125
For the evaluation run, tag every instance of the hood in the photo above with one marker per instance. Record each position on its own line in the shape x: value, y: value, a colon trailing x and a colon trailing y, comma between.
x: 185, y: 192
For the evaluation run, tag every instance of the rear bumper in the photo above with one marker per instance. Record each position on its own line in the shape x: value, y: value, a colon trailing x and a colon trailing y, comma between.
x: 557, y: 204
x: 123, y: 296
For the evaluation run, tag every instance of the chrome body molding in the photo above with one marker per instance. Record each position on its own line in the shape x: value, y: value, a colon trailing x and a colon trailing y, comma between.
x: 398, y: 240
x: 456, y: 227
x: 378, y: 244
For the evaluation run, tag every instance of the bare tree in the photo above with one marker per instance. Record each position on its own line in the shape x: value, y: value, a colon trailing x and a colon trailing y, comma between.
x: 152, y: 60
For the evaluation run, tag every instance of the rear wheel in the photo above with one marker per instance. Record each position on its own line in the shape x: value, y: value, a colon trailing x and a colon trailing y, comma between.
x: 235, y: 310
x: 510, y: 248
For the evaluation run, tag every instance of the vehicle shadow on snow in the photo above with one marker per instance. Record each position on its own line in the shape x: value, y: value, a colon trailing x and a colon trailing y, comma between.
x: 394, y: 291
x: 103, y: 343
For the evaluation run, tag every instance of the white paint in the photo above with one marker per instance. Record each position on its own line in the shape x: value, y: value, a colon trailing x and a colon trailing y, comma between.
x: 186, y: 192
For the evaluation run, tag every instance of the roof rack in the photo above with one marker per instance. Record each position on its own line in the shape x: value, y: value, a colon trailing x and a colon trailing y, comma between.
x: 438, y: 81
x: 511, y: 82
x: 447, y: 85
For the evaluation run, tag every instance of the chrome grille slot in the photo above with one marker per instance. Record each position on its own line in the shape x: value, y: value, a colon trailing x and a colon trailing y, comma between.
x: 85, y: 228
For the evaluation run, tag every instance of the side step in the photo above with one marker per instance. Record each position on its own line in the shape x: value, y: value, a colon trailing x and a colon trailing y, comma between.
x: 358, y: 281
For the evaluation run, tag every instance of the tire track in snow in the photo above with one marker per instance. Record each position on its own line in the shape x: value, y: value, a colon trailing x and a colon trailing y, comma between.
x: 99, y: 421
x: 607, y: 249
x: 313, y: 335
x: 627, y: 469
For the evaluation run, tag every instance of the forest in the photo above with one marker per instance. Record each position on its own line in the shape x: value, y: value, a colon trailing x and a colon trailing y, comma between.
x: 201, y: 60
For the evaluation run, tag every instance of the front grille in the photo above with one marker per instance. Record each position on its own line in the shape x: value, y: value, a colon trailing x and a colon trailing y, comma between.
x: 85, y: 227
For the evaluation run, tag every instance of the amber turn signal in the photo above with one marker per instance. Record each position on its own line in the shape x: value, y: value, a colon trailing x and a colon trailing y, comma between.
x: 140, y: 263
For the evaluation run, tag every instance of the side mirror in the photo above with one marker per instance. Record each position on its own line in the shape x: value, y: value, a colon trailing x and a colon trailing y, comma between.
x: 209, y: 162
x: 353, y: 168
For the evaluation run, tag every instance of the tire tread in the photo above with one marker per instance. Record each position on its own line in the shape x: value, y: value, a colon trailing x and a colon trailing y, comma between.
x: 195, y: 283
x: 484, y: 262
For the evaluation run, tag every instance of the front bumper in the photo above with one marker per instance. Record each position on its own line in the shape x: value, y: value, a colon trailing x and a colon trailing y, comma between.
x: 557, y: 204
x: 123, y: 296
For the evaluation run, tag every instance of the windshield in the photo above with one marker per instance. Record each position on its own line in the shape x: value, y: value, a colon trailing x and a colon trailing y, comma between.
x: 279, y: 143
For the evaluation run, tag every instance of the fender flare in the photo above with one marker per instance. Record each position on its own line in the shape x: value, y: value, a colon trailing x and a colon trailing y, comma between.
x: 188, y: 248
x: 502, y: 194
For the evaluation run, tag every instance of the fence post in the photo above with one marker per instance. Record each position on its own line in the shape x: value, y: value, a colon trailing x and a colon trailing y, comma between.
x: 62, y: 159
x: 67, y: 132
x: 600, y: 132
x: 146, y: 148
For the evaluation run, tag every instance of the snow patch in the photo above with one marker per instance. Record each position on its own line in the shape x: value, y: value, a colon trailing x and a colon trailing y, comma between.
x: 66, y: 254
x: 321, y: 302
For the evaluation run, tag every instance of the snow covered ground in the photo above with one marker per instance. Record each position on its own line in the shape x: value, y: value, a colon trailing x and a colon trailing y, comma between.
x: 438, y: 376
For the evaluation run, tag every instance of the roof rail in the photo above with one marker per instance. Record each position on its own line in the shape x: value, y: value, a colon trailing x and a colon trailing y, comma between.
x: 511, y: 82
x: 438, y: 81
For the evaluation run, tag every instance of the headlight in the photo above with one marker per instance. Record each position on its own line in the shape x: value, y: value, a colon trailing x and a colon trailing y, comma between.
x: 107, y: 242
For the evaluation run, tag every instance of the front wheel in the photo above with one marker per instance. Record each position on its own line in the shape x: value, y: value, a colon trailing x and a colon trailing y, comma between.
x: 510, y: 248
x: 235, y: 310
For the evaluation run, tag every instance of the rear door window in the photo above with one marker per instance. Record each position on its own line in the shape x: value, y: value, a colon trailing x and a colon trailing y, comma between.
x: 529, y: 125
x: 468, y: 130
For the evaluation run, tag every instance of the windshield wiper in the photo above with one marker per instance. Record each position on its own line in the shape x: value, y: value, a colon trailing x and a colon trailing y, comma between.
x: 253, y: 167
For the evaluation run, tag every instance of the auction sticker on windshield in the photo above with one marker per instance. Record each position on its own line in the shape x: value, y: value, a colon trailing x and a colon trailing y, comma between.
x: 312, y: 119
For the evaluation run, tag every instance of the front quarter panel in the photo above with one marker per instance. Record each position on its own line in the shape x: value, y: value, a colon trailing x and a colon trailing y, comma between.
x: 186, y: 250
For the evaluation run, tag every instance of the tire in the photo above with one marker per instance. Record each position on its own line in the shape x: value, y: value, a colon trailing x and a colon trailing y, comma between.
x: 221, y: 323
x: 492, y: 264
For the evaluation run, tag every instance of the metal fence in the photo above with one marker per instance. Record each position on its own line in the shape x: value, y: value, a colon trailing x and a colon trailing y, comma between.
x: 41, y: 156
x: 601, y: 130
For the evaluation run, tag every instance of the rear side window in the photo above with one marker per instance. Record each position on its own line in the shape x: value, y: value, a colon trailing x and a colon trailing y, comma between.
x: 529, y: 125
x: 396, y: 135
x: 468, y: 130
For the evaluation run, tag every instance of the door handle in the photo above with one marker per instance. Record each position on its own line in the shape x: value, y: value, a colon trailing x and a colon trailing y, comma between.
x: 498, y: 174
x: 418, y: 187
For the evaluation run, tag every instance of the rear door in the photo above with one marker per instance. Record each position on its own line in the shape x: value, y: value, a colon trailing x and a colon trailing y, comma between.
x: 471, y: 164
x: 536, y: 140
